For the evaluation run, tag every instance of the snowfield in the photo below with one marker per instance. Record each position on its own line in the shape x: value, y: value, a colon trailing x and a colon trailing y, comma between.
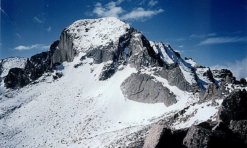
x: 77, y: 110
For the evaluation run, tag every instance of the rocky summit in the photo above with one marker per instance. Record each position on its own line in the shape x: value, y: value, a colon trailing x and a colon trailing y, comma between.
x: 104, y: 84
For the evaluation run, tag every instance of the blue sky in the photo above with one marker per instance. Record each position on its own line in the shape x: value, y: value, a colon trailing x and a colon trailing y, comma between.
x: 213, y: 32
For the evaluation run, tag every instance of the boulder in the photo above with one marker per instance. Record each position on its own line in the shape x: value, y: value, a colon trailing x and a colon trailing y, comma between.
x: 159, y: 136
x: 143, y: 88
x: 197, y: 137
x: 154, y: 135
x: 234, y: 107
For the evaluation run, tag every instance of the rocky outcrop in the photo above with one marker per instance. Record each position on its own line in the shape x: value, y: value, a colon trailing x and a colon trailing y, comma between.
x: 35, y: 67
x: 209, y: 75
x: 243, y: 82
x: 64, y: 50
x: 107, y: 71
x: 240, y: 129
x: 204, y: 135
x: 175, y: 77
x: 230, y: 131
x: 143, y: 88
x: 197, y: 137
x: 154, y: 136
x: 159, y: 136
x: 16, y: 77
x: 38, y: 64
x: 234, y: 107
x: 224, y: 74
x: 212, y: 92
x: 101, y: 54
x: 142, y: 54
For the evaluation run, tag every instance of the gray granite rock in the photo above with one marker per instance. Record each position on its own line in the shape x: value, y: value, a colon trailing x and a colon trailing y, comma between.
x: 240, y: 129
x: 197, y: 137
x: 64, y: 50
x: 234, y: 107
x: 175, y: 77
x: 144, y: 88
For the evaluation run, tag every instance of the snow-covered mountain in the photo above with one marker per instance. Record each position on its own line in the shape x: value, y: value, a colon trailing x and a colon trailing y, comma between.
x: 103, y: 84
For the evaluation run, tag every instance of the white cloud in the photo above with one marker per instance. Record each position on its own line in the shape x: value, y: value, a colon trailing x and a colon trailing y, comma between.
x: 38, y: 20
x: 113, y: 9
x: 49, y: 29
x: 152, y: 3
x: 110, y: 9
x: 30, y: 47
x: 140, y: 14
x: 222, y: 40
x: 238, y: 68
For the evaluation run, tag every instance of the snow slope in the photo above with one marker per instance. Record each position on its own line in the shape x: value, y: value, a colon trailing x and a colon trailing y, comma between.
x: 69, y: 111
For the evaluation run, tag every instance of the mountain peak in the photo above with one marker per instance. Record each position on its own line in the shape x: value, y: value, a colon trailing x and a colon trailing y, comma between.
x: 92, y: 33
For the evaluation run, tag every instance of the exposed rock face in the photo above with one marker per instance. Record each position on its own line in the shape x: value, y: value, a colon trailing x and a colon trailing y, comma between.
x: 224, y: 74
x: 107, y: 71
x: 154, y: 136
x: 16, y: 78
x: 159, y: 137
x: 243, y: 82
x: 230, y: 132
x: 143, y: 88
x: 209, y: 75
x: 234, y: 107
x: 240, y: 129
x: 212, y: 92
x: 175, y: 77
x: 35, y: 67
x: 101, y: 55
x: 64, y: 50
x: 204, y: 135
x: 142, y: 54
x: 197, y: 137
x: 38, y: 64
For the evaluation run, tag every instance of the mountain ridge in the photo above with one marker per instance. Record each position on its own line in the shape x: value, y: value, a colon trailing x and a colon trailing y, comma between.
x: 104, y: 82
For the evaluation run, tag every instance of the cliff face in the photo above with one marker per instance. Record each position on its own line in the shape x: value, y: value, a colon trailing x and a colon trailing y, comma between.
x: 64, y: 51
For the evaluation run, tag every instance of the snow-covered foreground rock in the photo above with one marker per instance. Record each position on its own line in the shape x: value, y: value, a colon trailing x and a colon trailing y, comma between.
x: 103, y: 84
